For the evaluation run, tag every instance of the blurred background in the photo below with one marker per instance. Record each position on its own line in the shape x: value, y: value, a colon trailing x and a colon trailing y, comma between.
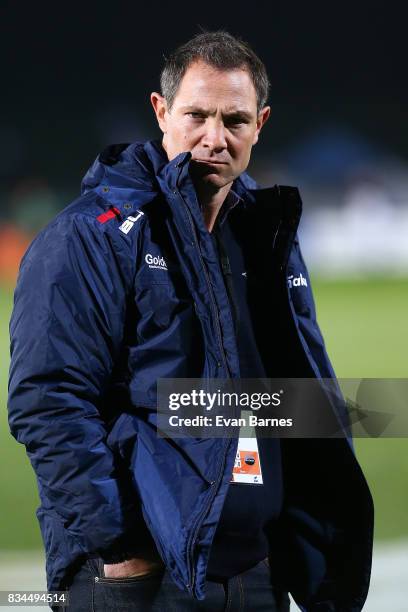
x: 78, y: 78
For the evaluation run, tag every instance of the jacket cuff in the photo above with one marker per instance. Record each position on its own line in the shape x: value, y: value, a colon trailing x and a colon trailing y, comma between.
x: 125, y: 548
x: 118, y: 557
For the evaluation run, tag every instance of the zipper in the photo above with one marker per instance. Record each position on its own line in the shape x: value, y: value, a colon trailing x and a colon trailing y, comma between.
x: 211, y: 293
x: 217, y: 482
x: 227, y: 274
x: 216, y: 485
x: 276, y: 234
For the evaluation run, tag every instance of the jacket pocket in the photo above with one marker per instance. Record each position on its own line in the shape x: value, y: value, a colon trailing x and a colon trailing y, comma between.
x: 123, y: 436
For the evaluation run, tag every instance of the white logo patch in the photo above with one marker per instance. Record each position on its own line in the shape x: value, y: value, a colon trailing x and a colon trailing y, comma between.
x: 296, y: 281
x: 155, y: 262
x: 129, y: 222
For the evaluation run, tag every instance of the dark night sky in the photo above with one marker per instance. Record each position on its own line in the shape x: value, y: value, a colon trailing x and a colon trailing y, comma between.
x: 67, y: 63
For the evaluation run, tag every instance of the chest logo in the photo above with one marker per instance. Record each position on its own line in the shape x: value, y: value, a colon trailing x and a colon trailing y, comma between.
x: 155, y: 262
x: 297, y: 281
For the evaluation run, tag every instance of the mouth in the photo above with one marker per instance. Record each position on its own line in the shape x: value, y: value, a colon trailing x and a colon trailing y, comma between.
x: 210, y: 162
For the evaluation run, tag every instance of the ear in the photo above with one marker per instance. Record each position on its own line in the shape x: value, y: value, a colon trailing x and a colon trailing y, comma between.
x: 262, y: 118
x: 160, y: 108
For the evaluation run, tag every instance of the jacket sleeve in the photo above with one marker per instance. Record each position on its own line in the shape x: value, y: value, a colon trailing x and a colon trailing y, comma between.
x: 305, y: 308
x: 66, y: 332
x: 304, y: 305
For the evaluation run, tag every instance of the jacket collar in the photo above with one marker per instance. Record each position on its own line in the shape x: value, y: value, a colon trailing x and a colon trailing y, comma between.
x: 137, y: 172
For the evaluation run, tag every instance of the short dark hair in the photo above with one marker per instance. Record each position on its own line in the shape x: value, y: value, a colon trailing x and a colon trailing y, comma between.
x: 218, y: 49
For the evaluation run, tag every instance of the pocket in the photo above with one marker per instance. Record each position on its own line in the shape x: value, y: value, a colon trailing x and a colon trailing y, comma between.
x: 153, y: 575
x: 136, y: 593
x: 96, y: 566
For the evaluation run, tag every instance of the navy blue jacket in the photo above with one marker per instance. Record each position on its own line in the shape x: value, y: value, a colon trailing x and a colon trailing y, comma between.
x: 124, y: 287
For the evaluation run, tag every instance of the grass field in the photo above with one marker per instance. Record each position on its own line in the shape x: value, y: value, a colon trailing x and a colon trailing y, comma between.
x: 366, y: 332
x: 364, y: 324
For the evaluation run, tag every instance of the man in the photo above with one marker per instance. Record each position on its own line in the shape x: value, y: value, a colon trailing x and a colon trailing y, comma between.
x: 173, y: 263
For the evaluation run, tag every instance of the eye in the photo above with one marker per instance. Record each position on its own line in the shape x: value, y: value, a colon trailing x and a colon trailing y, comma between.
x: 195, y: 115
x: 235, y: 122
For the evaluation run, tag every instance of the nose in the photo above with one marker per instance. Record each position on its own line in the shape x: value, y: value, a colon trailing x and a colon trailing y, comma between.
x: 214, y: 137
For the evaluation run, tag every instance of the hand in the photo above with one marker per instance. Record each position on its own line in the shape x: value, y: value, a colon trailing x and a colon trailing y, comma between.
x: 131, y: 568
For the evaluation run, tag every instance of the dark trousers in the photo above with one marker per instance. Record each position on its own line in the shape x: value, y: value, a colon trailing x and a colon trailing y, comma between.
x: 250, y: 591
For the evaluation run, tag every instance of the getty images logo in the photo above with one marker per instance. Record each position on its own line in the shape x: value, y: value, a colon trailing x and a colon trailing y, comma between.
x: 296, y: 281
x: 155, y: 261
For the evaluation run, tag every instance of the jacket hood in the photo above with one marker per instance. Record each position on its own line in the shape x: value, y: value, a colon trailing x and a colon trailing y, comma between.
x: 125, y: 170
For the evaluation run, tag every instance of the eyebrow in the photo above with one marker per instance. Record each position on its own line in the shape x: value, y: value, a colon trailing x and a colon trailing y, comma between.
x: 235, y: 113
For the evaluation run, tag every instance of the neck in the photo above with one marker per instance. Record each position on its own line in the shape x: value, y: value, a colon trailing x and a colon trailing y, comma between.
x: 211, y: 201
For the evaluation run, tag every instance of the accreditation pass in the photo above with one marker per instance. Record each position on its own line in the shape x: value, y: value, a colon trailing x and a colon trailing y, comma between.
x: 247, y: 467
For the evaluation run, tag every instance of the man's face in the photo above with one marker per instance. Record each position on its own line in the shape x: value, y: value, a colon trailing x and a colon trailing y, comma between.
x: 214, y: 115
